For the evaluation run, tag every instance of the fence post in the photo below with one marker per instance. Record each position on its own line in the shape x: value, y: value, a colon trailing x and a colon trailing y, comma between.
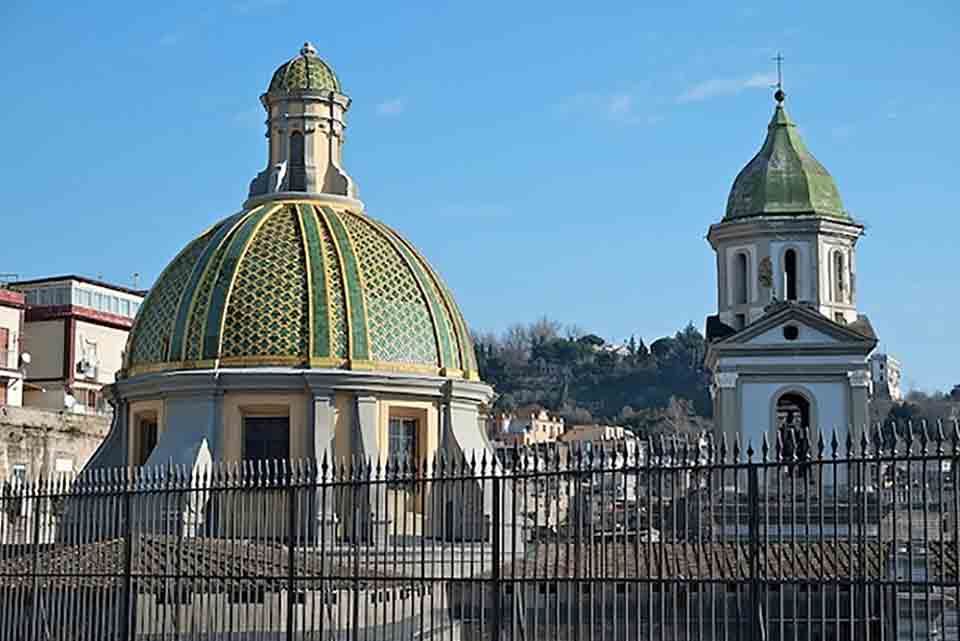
x: 35, y: 558
x: 497, y: 560
x: 291, y: 548
x: 757, y: 628
x: 127, y: 631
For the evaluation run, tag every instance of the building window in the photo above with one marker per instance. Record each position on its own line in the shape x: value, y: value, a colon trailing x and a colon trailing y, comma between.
x: 790, y: 274
x: 403, y: 440
x: 741, y: 283
x: 741, y: 321
x: 791, y: 332
x: 145, y: 432
x: 266, y: 438
x: 6, y: 360
x: 840, y: 318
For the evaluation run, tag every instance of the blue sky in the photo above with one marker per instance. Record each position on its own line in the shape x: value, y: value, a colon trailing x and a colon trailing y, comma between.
x: 548, y: 158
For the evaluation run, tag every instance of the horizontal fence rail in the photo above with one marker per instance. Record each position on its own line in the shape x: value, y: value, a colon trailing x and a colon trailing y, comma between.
x: 840, y: 536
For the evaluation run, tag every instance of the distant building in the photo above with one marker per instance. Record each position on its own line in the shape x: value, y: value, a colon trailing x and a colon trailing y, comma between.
x: 11, y: 330
x: 611, y: 439
x: 527, y: 426
x: 75, y: 330
x: 886, y: 375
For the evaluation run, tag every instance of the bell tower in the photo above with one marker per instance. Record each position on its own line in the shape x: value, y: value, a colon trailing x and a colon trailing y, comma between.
x: 306, y: 119
x: 786, y: 235
x: 787, y: 347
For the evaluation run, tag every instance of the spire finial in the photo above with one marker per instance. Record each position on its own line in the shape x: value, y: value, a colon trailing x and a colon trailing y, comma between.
x: 308, y: 49
x: 779, y: 95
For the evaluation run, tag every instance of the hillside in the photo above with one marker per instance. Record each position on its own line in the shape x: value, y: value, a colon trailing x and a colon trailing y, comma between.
x: 663, y: 387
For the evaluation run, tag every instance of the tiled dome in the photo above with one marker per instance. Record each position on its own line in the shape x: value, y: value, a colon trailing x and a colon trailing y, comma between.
x: 304, y: 72
x: 301, y: 284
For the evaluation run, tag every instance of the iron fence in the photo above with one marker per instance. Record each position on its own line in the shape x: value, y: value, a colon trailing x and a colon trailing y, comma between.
x: 838, y: 538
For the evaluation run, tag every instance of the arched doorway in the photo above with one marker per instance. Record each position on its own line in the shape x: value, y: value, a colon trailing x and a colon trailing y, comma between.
x: 793, y: 414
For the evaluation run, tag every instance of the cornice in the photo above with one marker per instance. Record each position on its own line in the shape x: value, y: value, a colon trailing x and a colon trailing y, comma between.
x: 202, y: 382
x: 307, y: 198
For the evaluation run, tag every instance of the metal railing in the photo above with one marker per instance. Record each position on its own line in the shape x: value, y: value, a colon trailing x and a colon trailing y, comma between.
x: 855, y: 540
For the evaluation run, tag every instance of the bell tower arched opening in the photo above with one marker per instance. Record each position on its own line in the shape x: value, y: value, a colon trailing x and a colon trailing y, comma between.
x: 793, y: 427
x: 790, y: 274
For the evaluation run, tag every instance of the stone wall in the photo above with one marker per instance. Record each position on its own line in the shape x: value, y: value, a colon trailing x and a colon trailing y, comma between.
x: 47, y: 441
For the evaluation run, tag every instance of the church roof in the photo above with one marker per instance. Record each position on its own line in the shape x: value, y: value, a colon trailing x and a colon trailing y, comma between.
x: 784, y: 178
x: 304, y: 72
x: 302, y: 284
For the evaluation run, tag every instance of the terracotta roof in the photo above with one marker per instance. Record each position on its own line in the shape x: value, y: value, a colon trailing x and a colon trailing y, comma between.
x: 802, y: 560
x: 235, y: 564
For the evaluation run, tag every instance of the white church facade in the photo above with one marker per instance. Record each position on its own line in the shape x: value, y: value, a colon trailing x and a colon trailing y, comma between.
x: 788, y: 349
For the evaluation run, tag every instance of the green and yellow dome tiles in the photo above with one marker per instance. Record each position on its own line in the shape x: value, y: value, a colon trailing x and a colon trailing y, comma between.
x: 305, y: 72
x: 784, y: 179
x: 301, y: 284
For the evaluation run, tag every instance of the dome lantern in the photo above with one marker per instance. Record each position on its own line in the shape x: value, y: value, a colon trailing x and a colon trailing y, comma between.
x: 306, y: 119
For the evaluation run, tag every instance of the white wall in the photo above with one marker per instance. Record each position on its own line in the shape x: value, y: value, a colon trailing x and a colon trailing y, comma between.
x: 110, y: 343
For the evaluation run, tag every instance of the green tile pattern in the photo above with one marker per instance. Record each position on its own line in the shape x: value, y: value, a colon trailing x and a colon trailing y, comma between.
x: 265, y: 312
x: 263, y: 284
x: 317, y: 295
x: 467, y: 356
x: 353, y: 285
x: 183, y: 311
x: 221, y: 286
x: 398, y: 317
x: 193, y: 347
x: 438, y: 313
x: 339, y: 330
x: 305, y: 72
x: 150, y: 337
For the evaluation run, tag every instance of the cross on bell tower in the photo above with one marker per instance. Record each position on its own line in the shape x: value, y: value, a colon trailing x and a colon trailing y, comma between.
x: 779, y: 95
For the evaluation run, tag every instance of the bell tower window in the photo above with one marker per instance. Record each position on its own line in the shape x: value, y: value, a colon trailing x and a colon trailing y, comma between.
x: 741, y: 283
x: 839, y: 277
x: 298, y: 176
x: 790, y: 274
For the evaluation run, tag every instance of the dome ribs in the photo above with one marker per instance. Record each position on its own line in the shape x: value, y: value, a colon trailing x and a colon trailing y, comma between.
x: 318, y: 294
x: 358, y: 336
x: 219, y: 297
x: 187, y: 300
x: 440, y: 332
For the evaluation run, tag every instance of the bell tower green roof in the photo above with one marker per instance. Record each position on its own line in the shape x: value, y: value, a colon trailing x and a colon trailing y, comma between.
x: 784, y: 178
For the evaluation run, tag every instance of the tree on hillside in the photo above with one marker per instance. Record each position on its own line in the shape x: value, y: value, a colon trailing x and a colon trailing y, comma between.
x: 573, y: 376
